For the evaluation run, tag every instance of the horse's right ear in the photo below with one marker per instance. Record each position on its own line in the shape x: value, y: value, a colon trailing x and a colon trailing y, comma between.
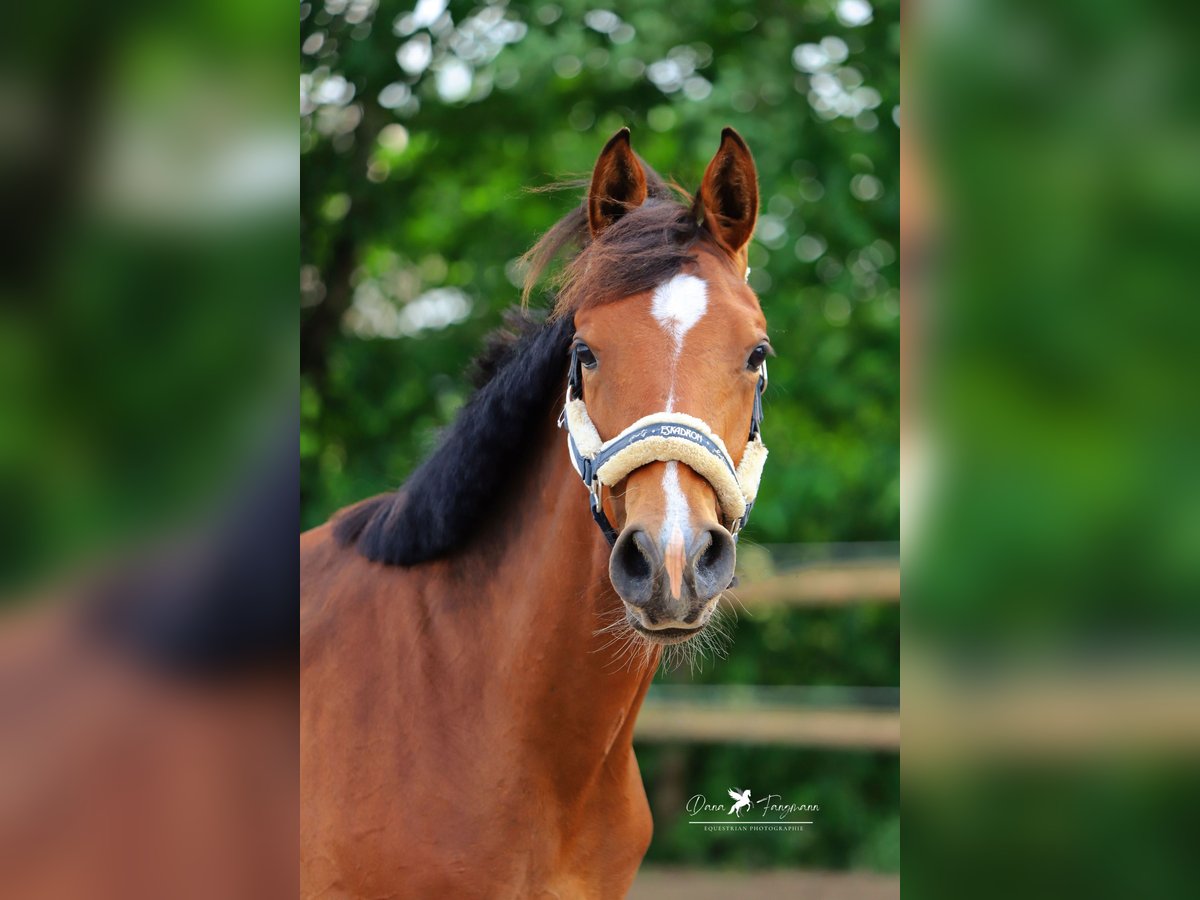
x: 727, y: 202
x: 618, y: 183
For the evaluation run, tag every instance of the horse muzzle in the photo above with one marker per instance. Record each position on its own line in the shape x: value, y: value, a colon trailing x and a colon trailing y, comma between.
x: 670, y: 587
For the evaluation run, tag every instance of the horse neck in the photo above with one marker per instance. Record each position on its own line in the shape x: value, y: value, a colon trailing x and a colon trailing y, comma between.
x: 578, y: 691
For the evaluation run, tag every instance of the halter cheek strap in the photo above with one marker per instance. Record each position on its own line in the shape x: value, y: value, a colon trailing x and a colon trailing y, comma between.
x: 663, y: 437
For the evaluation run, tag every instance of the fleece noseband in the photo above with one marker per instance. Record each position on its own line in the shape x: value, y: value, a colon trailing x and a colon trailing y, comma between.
x: 662, y: 437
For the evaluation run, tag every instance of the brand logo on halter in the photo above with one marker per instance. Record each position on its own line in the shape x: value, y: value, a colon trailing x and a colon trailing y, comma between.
x: 769, y: 812
x: 680, y: 431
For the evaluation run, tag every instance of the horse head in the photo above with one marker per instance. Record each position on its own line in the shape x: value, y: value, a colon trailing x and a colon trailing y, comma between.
x: 668, y: 366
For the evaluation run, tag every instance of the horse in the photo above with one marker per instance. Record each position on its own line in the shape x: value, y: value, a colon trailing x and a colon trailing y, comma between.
x: 474, y: 649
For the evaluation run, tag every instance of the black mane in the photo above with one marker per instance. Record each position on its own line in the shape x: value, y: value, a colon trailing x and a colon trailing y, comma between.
x: 447, y: 498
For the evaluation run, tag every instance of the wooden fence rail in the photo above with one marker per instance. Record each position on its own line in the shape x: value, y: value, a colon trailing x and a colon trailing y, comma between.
x: 845, y: 728
x: 842, y: 727
x: 840, y: 584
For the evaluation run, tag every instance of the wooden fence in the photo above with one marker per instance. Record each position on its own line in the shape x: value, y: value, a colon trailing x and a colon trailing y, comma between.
x: 680, y: 719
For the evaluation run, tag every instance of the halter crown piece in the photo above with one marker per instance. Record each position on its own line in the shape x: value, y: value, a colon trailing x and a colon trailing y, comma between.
x: 663, y: 437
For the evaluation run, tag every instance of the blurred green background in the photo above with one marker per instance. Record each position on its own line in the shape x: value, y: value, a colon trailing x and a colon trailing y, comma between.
x: 147, y: 323
x: 421, y: 129
x: 1053, y: 564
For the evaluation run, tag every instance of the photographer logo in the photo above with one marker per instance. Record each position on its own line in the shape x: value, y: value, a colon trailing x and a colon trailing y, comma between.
x: 766, y: 813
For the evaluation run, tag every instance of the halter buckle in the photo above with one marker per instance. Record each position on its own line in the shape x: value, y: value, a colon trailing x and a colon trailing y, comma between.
x: 574, y: 376
x: 740, y: 522
x: 606, y: 528
x: 756, y: 416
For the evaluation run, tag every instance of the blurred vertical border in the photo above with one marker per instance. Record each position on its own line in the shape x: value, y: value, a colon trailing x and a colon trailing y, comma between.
x: 1051, y: 216
x: 148, y: 334
x: 148, y: 474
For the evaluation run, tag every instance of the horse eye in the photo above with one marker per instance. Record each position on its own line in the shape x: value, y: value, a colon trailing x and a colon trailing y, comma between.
x: 757, y: 357
x: 585, y: 355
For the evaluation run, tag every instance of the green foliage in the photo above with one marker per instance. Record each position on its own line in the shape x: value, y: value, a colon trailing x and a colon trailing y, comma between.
x: 413, y: 206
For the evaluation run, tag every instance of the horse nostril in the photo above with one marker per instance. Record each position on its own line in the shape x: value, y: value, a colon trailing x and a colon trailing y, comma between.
x: 630, y: 567
x: 712, y: 569
x: 634, y: 560
x: 711, y: 556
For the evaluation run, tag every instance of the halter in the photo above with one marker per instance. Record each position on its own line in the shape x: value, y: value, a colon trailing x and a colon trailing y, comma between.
x: 663, y: 437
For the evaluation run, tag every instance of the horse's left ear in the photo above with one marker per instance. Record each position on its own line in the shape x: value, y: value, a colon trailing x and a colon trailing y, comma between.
x: 727, y: 203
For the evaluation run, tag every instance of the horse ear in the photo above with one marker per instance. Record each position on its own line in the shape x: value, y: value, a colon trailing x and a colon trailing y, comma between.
x: 618, y: 183
x: 727, y: 203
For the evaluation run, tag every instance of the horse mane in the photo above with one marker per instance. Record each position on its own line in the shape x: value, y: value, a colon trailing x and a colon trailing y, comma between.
x: 520, y: 375
x: 449, y: 496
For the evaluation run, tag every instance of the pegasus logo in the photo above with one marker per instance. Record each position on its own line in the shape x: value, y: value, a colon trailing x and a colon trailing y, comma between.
x: 743, y: 801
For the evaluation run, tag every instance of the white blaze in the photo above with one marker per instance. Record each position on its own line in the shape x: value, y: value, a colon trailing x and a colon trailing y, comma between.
x: 678, y: 305
x: 677, y: 513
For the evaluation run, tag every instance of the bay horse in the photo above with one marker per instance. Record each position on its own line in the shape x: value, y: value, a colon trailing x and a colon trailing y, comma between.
x: 474, y: 650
